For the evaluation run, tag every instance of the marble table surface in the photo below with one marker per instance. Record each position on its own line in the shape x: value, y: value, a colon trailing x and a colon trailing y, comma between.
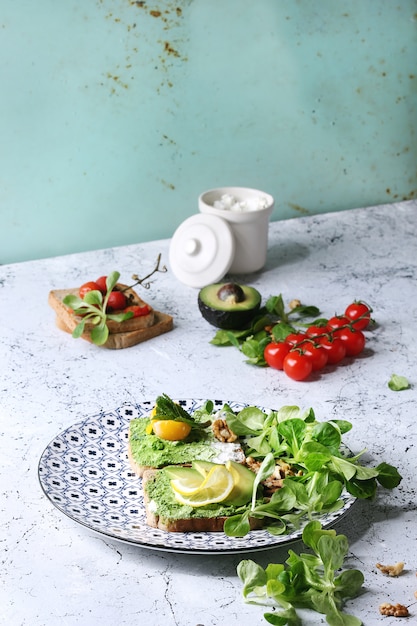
x: 55, y: 571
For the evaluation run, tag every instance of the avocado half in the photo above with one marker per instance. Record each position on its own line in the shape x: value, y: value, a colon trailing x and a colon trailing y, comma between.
x: 229, y: 305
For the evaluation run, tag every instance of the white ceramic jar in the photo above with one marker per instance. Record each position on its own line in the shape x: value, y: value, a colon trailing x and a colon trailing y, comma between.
x: 230, y: 234
x: 248, y: 212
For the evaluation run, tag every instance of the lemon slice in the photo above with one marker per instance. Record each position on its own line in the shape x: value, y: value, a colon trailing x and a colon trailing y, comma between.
x: 187, y: 485
x: 216, y: 487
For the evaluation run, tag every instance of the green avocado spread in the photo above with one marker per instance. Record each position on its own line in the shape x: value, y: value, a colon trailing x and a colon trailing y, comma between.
x: 160, y: 493
x: 151, y: 451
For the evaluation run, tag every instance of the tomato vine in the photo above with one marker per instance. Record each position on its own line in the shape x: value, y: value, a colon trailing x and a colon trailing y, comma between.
x: 282, y: 339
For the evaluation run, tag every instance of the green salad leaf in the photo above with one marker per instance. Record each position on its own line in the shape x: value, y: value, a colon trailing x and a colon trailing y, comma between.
x: 320, y: 467
x: 398, y: 383
x: 272, y: 323
x: 313, y: 580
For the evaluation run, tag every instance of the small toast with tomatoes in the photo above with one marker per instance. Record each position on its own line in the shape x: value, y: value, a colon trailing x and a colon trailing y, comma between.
x: 144, y: 324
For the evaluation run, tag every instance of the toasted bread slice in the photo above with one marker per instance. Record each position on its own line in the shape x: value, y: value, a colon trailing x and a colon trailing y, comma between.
x: 175, y: 522
x: 121, y: 334
x: 70, y: 320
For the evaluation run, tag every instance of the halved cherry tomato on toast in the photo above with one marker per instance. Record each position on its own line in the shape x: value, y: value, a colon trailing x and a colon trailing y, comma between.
x: 117, y: 301
x: 137, y: 310
x: 171, y: 430
x: 86, y: 287
x: 101, y: 282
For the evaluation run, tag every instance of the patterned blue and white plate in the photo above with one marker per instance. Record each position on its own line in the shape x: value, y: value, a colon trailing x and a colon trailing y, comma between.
x: 86, y: 474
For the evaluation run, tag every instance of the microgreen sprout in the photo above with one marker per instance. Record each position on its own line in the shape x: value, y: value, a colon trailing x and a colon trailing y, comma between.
x: 92, y: 308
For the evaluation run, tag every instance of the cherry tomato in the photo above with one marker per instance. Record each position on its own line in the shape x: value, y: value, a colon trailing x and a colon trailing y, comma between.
x: 116, y: 301
x: 101, y: 282
x: 294, y: 339
x: 353, y: 340
x: 360, y: 314
x: 297, y: 365
x: 90, y: 286
x: 335, y: 348
x: 137, y: 310
x: 317, y: 354
x: 316, y: 331
x: 275, y: 352
x: 338, y: 321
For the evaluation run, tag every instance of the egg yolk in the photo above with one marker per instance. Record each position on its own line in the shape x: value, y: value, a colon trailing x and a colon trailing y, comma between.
x: 171, y: 430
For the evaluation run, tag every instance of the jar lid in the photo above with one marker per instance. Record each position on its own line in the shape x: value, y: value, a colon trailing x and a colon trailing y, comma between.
x: 202, y: 250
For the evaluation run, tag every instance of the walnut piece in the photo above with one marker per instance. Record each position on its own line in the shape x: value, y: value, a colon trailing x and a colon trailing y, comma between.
x: 391, y: 570
x: 294, y: 304
x: 393, y: 610
x: 222, y: 432
x: 274, y: 481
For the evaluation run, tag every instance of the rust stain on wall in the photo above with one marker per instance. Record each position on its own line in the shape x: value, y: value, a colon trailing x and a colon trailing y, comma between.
x: 117, y: 80
x: 299, y: 208
x: 167, y: 184
x: 168, y: 48
x: 167, y: 12
x: 167, y: 41
x: 169, y: 140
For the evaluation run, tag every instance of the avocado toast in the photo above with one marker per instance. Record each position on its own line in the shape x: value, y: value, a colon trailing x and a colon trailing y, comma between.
x: 148, y: 450
x: 194, y: 483
x: 170, y: 506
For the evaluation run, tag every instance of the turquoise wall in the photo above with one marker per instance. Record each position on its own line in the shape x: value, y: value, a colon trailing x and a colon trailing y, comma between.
x: 116, y: 114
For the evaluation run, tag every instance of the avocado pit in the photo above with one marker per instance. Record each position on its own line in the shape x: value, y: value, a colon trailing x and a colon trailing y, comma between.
x: 231, y: 293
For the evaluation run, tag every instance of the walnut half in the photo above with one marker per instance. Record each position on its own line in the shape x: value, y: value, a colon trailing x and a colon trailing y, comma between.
x: 391, y: 570
x: 393, y: 610
x: 222, y: 432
